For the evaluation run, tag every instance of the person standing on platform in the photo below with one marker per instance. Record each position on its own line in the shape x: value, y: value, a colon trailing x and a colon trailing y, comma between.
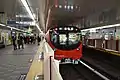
x: 34, y: 39
x: 14, y: 42
x: 20, y: 42
x: 38, y: 39
x: 25, y: 40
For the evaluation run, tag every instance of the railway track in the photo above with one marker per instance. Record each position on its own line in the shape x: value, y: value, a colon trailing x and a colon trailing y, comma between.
x: 103, y: 67
x: 80, y: 71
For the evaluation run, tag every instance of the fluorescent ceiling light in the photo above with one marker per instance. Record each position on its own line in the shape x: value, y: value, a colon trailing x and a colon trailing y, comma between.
x: 102, y: 27
x: 38, y: 28
x: 9, y: 27
x: 30, y: 13
x: 27, y: 8
x: 2, y: 25
x: 26, y: 23
x: 12, y: 27
x: 22, y: 16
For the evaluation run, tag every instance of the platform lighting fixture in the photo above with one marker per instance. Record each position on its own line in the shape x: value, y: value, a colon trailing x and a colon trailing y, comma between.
x: 13, y: 32
x: 30, y: 13
x: 16, y: 29
x: 11, y: 27
x: 102, y: 27
x: 26, y: 23
x: 22, y: 16
x: 110, y: 33
x: 2, y: 25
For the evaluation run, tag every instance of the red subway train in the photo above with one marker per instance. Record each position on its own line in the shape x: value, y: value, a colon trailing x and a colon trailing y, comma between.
x: 65, y: 41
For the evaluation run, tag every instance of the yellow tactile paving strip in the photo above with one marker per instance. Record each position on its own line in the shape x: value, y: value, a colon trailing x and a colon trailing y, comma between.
x: 110, y: 52
x: 37, y: 66
x: 105, y: 50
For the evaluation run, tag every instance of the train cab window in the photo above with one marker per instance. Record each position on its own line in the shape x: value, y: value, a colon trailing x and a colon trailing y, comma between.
x: 62, y: 39
x: 66, y: 38
x: 74, y: 38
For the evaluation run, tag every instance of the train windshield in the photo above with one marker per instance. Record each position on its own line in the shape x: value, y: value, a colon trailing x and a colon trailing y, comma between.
x: 72, y: 38
x: 66, y: 39
x: 62, y: 39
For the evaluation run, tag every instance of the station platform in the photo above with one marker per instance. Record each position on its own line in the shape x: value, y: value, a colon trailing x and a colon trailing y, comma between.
x: 36, y: 71
x: 13, y: 63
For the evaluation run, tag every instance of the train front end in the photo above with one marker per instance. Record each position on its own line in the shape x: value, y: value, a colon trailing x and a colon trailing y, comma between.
x: 66, y: 42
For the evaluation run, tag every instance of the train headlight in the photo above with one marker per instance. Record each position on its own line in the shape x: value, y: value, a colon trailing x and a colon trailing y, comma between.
x: 78, y: 49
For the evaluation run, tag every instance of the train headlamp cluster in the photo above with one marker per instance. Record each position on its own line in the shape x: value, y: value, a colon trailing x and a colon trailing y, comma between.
x: 72, y: 7
x: 65, y: 28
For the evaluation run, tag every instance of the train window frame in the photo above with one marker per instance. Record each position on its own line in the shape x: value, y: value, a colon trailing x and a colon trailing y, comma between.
x: 62, y: 31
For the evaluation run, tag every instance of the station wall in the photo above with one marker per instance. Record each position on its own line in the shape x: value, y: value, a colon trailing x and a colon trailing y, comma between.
x: 5, y: 36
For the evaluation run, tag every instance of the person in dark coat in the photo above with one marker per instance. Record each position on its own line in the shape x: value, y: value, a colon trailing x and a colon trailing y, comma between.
x: 14, y: 42
x: 38, y: 39
x: 25, y: 40
x: 20, y: 42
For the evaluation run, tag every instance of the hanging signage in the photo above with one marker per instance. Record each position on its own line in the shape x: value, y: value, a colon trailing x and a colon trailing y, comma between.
x: 2, y: 17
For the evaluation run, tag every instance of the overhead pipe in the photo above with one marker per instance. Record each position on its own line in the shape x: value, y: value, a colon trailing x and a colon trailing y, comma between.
x: 48, y: 17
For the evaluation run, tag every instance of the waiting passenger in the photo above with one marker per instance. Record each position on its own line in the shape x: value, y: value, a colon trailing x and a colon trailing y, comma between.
x: 38, y: 39
x: 20, y: 42
x: 14, y: 42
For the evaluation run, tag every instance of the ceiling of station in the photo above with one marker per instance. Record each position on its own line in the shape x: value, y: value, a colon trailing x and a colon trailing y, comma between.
x: 13, y: 8
x: 87, y: 7
x: 58, y: 15
x: 7, y: 6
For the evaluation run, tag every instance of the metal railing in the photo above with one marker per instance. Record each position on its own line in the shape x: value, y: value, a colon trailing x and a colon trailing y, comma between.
x: 51, y: 66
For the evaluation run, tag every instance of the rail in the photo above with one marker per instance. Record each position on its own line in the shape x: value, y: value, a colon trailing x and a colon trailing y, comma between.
x: 51, y: 66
